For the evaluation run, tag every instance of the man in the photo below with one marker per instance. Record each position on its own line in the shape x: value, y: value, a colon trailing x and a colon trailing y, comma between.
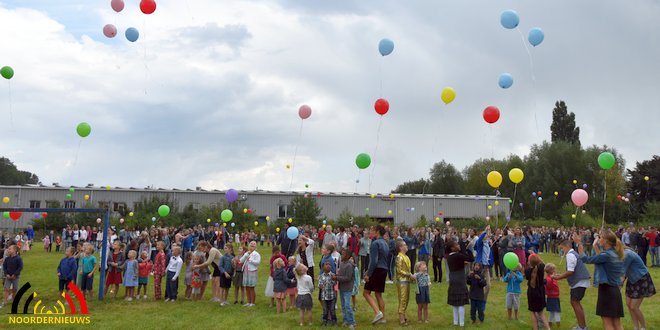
x: 329, y: 236
x: 625, y: 237
x: 12, y: 267
x: 342, y: 239
x: 287, y: 246
x: 651, y: 236
x: 376, y: 274
x: 578, y: 277
x: 484, y: 257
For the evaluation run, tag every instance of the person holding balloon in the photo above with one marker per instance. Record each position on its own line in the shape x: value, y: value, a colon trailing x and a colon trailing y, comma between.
x: 517, y: 245
x: 213, y: 260
x: 577, y: 276
x: 513, y: 278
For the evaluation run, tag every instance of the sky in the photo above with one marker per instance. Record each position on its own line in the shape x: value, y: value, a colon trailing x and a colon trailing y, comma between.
x: 209, y: 94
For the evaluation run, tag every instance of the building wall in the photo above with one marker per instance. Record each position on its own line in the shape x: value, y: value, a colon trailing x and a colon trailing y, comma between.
x: 405, y: 208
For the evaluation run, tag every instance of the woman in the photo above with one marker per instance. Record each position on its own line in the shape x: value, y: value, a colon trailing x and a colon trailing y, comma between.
x: 251, y: 261
x: 438, y: 254
x: 457, y: 294
x: 412, y: 241
x: 639, y: 285
x: 212, y: 260
x: 306, y: 254
x: 517, y: 245
x: 608, y: 274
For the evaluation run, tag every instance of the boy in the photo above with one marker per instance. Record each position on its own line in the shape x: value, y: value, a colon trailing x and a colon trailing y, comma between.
x: 173, y: 270
x: 345, y: 276
x: 513, y: 280
x: 11, y: 266
x: 66, y: 271
x: 90, y: 266
x: 328, y: 296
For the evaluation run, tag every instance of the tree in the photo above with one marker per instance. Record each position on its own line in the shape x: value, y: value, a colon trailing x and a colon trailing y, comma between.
x: 306, y: 210
x: 563, y: 127
x: 645, y: 190
x: 412, y: 187
x: 10, y: 175
x: 445, y: 179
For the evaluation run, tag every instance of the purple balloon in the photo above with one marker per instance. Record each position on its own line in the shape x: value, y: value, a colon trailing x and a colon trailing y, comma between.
x: 217, y: 224
x: 627, y: 194
x: 534, y: 194
x: 231, y: 195
x: 521, y: 204
x: 584, y: 186
x: 36, y: 215
x: 508, y: 218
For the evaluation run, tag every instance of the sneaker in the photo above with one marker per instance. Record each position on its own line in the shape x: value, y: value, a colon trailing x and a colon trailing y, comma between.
x: 251, y: 305
x: 2, y: 305
x: 389, y: 282
x: 378, y: 317
x: 352, y: 326
x: 129, y: 299
x: 167, y: 299
x: 246, y: 305
x: 215, y: 300
x: 144, y: 297
x: 172, y: 300
x: 138, y: 297
x: 384, y: 321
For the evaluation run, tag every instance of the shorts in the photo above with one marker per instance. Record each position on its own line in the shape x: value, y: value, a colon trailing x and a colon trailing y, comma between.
x: 87, y: 282
x: 553, y: 305
x: 513, y: 301
x: 225, y: 282
x: 377, y: 281
x: 577, y: 293
x: 304, y: 302
x: 292, y: 291
x: 143, y: 280
x: 554, y: 316
x: 12, y: 284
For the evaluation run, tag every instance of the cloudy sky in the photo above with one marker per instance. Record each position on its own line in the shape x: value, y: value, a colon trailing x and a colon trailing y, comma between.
x: 208, y: 96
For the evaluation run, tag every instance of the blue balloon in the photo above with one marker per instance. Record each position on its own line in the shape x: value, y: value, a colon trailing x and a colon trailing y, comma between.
x: 535, y: 36
x: 506, y: 80
x: 540, y: 199
x: 386, y: 47
x: 233, y: 224
x: 292, y: 233
x: 509, y: 19
x: 132, y: 34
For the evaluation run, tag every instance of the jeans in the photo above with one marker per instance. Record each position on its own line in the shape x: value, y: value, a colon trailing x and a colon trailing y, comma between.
x: 477, y: 306
x: 655, y: 255
x: 329, y: 315
x: 171, y: 287
x: 346, y: 308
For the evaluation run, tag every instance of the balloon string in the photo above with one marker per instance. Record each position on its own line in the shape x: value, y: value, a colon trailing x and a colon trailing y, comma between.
x: 531, y: 69
x: 380, y: 73
x: 373, y: 166
x: 604, y: 199
x: 11, y: 112
x: 295, y: 154
x: 513, y: 202
x: 146, y: 67
x: 576, y: 214
x: 192, y: 18
x: 357, y: 180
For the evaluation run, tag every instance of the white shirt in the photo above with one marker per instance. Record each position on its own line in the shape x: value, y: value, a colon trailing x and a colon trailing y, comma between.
x: 571, y: 263
x: 305, y: 285
x: 251, y: 261
x: 175, y: 266
x: 309, y: 253
x: 99, y: 236
x: 76, y: 234
x: 83, y: 235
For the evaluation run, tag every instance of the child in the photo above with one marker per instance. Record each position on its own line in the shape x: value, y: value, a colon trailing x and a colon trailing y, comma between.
x: 196, y: 277
x: 513, y: 280
x: 115, y: 263
x: 291, y: 290
x: 356, y: 286
x: 189, y: 270
x: 90, y: 266
x: 58, y: 243
x: 305, y: 287
x: 226, y: 270
x: 536, y: 290
x: 457, y: 293
x: 145, y: 267
x: 345, y: 277
x: 402, y: 278
x: 159, y: 268
x: 423, y: 292
x: 66, y: 271
x: 131, y: 275
x: 477, y: 282
x: 237, y: 279
x: 270, y: 284
x: 280, y: 283
x: 12, y: 266
x: 46, y: 243
x: 173, y: 270
x: 552, y: 292
x: 328, y: 296
x: 326, y: 256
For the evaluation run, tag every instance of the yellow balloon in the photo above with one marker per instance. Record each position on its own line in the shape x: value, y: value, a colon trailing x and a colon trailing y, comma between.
x: 448, y: 95
x: 556, y: 193
x: 86, y: 197
x: 374, y: 196
x: 256, y: 223
x: 208, y: 220
x: 224, y: 224
x: 107, y: 187
x: 646, y: 178
x: 490, y: 207
x: 391, y: 195
x: 437, y: 219
x: 389, y: 211
x: 494, y: 179
x: 516, y: 175
x: 290, y: 220
x: 277, y: 229
x: 5, y: 200
x: 573, y: 216
x: 244, y: 210
x: 574, y: 181
x: 130, y: 214
x: 497, y: 203
x: 267, y: 218
x: 323, y: 226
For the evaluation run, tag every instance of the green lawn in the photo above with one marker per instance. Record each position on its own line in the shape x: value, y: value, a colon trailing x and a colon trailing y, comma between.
x: 40, y: 271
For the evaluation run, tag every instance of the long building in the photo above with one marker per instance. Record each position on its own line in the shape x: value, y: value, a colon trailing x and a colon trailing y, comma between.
x: 396, y: 208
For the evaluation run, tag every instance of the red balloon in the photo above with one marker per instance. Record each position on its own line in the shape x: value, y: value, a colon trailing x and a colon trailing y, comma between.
x: 491, y: 114
x: 43, y: 215
x: 148, y: 6
x: 304, y: 111
x: 538, y: 193
x: 109, y: 31
x: 382, y: 106
x: 618, y: 197
x: 117, y: 5
x: 15, y: 215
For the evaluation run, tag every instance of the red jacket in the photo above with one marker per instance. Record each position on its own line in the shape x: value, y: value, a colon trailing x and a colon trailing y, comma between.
x: 354, y: 244
x: 551, y: 287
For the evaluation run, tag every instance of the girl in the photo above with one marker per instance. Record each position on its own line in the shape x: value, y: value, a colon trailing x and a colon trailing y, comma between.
x: 115, y: 264
x: 517, y: 245
x: 356, y: 287
x: 402, y: 279
x: 513, y: 279
x: 144, y: 268
x: 291, y: 290
x: 226, y: 270
x: 280, y: 283
x: 213, y: 260
x: 196, y: 278
x: 536, y: 291
x: 422, y: 292
x: 270, y: 283
x: 237, y: 279
x: 188, y: 260
x: 457, y: 293
x: 477, y: 282
x: 66, y: 271
x: 131, y: 275
x: 552, y: 292
x: 251, y: 260
x: 639, y: 285
x: 159, y: 269
x: 46, y: 243
x: 305, y: 288
x: 58, y: 243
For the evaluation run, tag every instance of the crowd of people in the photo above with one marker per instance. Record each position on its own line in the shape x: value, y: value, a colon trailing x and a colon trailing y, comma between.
x: 354, y: 257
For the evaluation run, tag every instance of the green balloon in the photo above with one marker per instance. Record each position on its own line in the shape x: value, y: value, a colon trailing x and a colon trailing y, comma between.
x: 5, y: 214
x: 7, y: 72
x: 163, y: 210
x: 68, y: 196
x: 72, y: 189
x: 226, y: 215
x: 606, y: 160
x: 363, y: 161
x: 511, y: 260
x: 83, y: 129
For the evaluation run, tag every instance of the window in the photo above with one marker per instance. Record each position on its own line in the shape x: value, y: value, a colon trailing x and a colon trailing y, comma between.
x: 69, y: 204
x: 119, y: 207
x: 35, y: 204
x: 283, y: 211
x: 104, y: 205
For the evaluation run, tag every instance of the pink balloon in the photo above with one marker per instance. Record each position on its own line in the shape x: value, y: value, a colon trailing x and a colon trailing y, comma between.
x: 305, y: 111
x: 579, y: 197
x: 117, y: 5
x: 109, y: 31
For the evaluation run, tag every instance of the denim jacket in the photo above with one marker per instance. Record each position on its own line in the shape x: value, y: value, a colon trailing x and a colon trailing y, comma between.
x: 634, y: 266
x: 609, y: 268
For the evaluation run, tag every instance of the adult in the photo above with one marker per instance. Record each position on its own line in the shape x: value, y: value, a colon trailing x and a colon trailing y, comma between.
x: 75, y: 236
x: 213, y: 260
x: 306, y: 254
x: 625, y: 237
x: 342, y: 239
x: 517, y: 245
x: 328, y: 237
x: 354, y: 245
x: 652, y: 238
x: 250, y: 260
x: 376, y: 273
x: 577, y: 276
x: 438, y: 252
x: 287, y: 246
x: 412, y: 241
x: 639, y: 285
x: 484, y: 257
x: 457, y: 293
x: 365, y: 243
x: 608, y: 274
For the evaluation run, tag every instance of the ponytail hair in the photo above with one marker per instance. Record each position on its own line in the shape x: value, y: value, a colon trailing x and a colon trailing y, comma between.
x: 534, y: 262
x: 614, y: 242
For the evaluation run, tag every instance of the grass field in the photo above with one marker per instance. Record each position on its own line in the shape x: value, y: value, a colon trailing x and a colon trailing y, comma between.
x: 40, y: 271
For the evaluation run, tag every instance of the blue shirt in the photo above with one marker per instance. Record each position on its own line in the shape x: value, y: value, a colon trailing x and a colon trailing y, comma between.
x: 225, y: 264
x: 67, y: 268
x: 188, y: 242
x: 482, y: 248
x: 513, y: 280
x: 377, y: 255
x: 331, y: 260
x: 88, y: 263
x: 609, y: 268
x: 633, y: 266
x: 13, y: 265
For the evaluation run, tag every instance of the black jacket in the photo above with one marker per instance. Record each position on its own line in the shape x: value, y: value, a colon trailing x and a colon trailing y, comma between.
x: 438, y: 247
